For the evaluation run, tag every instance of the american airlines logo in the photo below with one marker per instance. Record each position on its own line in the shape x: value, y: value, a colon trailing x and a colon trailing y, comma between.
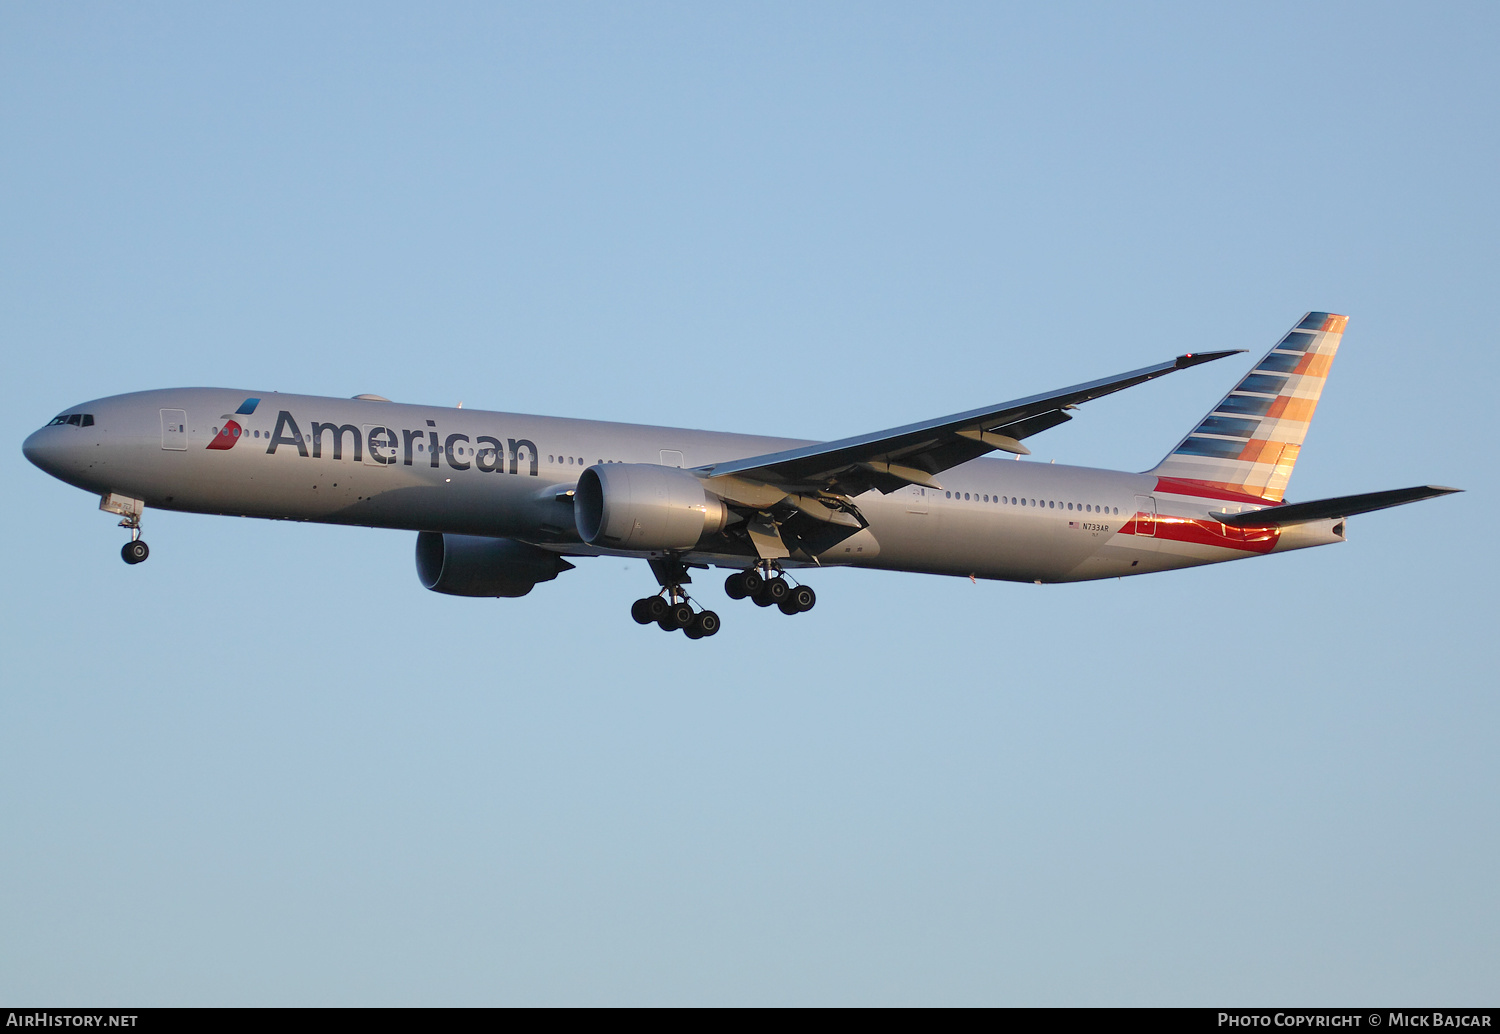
x: 231, y: 432
x: 385, y: 445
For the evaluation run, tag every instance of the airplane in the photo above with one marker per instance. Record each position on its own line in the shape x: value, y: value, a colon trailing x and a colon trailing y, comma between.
x: 500, y: 502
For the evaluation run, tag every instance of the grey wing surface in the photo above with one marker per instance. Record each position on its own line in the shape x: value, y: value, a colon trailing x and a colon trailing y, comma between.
x: 911, y: 455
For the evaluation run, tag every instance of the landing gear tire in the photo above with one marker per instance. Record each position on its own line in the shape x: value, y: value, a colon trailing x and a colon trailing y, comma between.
x: 134, y: 551
x: 788, y: 608
x: 752, y: 581
x: 678, y: 615
x: 704, y: 625
x: 803, y: 598
x: 649, y: 609
x: 777, y: 590
x: 734, y: 586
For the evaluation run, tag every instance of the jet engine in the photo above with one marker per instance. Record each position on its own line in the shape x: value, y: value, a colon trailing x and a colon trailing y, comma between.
x: 644, y: 506
x: 473, y: 565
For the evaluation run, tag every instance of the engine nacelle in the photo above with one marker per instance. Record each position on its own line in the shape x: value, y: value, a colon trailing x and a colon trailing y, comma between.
x: 644, y: 506
x: 473, y: 565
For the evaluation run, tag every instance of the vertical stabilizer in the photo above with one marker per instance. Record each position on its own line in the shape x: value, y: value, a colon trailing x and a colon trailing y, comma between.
x: 1249, y: 443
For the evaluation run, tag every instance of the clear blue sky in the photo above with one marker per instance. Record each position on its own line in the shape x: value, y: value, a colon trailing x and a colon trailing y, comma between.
x: 266, y: 767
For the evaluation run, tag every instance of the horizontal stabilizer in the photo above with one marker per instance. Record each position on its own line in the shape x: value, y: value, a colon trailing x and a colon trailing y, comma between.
x: 1324, y: 509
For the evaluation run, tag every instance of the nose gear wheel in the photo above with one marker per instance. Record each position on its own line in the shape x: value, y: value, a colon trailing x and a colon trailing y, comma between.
x: 135, y: 551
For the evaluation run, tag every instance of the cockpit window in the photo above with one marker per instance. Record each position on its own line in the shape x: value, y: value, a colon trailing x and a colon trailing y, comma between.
x: 75, y: 419
x: 88, y: 420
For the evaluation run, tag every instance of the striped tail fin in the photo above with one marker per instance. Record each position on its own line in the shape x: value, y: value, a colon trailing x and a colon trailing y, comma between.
x: 1249, y: 443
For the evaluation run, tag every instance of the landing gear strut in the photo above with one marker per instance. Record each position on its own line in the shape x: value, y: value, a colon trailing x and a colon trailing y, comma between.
x: 766, y: 586
x: 136, y: 550
x: 671, y: 609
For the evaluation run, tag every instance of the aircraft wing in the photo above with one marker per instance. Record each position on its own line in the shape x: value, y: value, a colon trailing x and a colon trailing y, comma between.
x: 910, y: 455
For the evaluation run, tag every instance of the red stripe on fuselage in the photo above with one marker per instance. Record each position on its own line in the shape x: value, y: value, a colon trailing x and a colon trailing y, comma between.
x: 1202, y: 531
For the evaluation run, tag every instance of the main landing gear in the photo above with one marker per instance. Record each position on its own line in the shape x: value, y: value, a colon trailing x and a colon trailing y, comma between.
x: 670, y: 609
x: 136, y: 550
x: 765, y: 585
x: 673, y: 611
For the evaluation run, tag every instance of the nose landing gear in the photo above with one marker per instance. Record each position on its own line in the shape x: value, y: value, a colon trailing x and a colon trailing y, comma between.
x: 135, y: 551
x: 129, y: 511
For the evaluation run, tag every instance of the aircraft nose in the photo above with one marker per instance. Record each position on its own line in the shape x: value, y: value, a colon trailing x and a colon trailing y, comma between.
x: 45, y: 450
x: 34, y: 448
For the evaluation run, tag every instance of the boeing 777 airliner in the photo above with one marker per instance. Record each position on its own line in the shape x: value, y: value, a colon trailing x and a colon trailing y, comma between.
x: 500, y: 501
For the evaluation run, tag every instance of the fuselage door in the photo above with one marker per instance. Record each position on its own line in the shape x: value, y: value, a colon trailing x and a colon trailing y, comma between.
x: 174, y: 429
x: 671, y: 458
x: 1145, y: 515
